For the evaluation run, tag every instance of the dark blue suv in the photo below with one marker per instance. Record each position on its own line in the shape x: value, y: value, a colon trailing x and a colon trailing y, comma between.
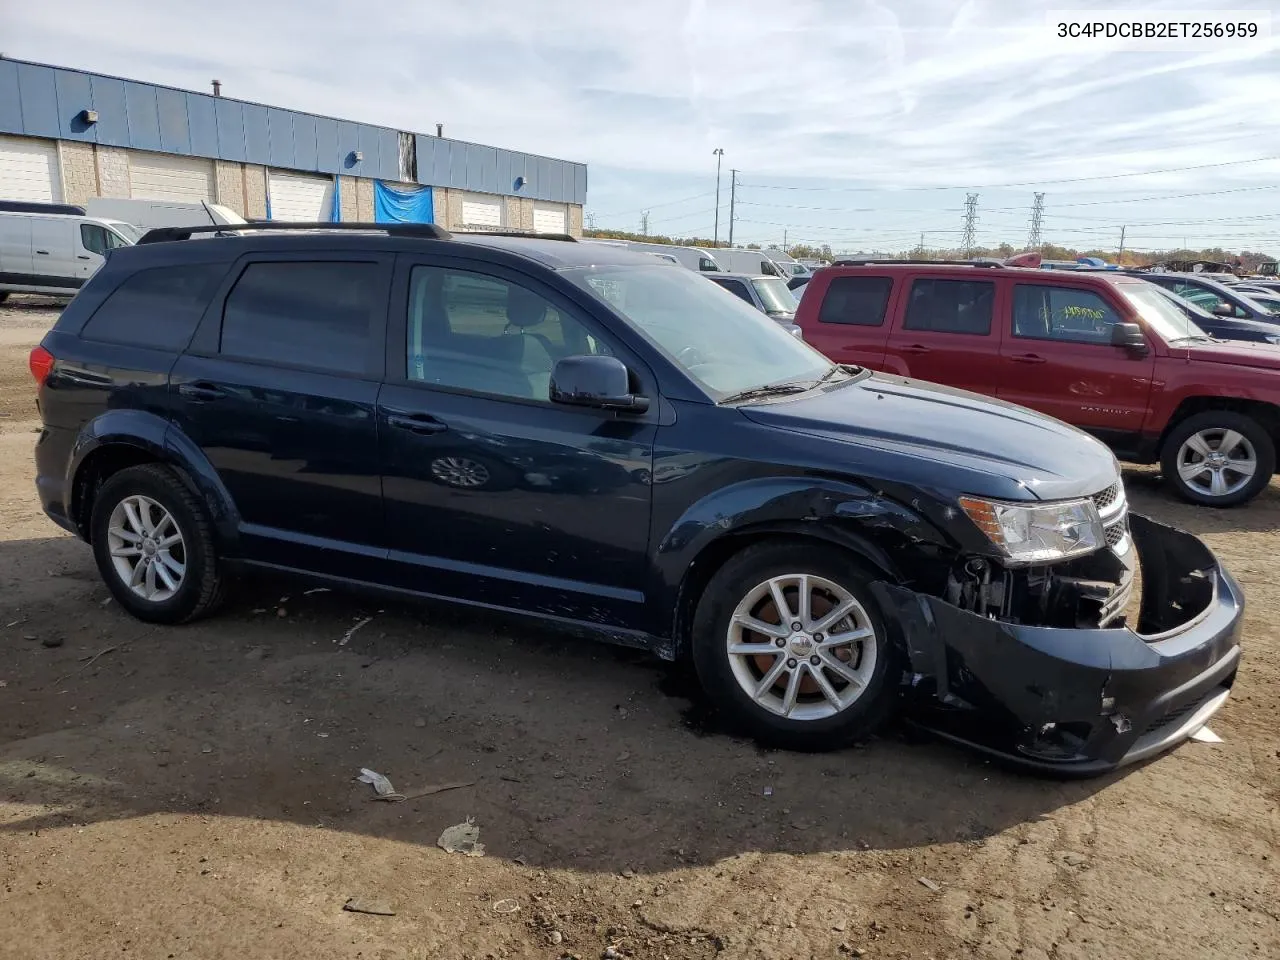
x: 581, y: 435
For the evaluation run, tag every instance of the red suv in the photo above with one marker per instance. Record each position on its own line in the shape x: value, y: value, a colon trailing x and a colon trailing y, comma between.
x: 1105, y: 352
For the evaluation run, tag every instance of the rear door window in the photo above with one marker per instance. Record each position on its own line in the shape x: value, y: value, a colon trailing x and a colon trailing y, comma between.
x: 950, y: 306
x: 856, y: 301
x: 1042, y: 312
x: 317, y: 314
x: 157, y: 308
x: 737, y: 288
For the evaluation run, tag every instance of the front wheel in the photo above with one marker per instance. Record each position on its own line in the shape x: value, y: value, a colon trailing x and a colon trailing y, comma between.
x: 1219, y: 458
x: 789, y: 643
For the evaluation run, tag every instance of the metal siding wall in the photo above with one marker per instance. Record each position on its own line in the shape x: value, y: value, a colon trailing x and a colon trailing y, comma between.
x: 280, y: 127
x: 506, y: 180
x: 546, y: 180
x: 231, y: 132
x: 369, y: 147
x: 143, y: 117
x: 113, y: 113
x: 257, y: 134
x: 579, y: 183
x: 327, y: 158
x: 74, y: 94
x: 38, y: 97
x: 171, y: 107
x: 10, y: 107
x: 204, y: 126
x: 348, y: 142
x: 388, y: 154
x: 304, y: 142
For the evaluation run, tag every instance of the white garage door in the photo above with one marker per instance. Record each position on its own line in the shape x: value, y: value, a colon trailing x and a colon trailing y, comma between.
x: 298, y: 198
x: 482, y: 210
x: 161, y: 176
x: 29, y: 170
x: 550, y: 218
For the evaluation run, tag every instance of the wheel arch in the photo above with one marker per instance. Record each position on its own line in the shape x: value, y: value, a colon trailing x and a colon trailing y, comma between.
x: 1267, y: 414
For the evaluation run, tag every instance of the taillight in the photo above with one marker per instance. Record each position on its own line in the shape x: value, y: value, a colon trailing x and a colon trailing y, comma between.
x: 41, y: 363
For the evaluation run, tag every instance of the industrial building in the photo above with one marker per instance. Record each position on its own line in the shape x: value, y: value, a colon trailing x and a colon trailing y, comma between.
x: 67, y: 135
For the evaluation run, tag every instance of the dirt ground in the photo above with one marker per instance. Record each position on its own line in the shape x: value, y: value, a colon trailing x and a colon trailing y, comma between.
x: 189, y: 792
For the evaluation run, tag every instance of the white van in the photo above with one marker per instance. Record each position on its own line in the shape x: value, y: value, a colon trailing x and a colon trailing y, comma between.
x: 148, y: 214
x: 55, y: 252
x: 755, y: 262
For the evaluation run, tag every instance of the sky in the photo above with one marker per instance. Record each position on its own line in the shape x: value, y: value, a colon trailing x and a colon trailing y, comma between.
x: 857, y: 123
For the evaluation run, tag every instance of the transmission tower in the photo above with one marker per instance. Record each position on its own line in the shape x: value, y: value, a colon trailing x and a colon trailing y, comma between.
x: 644, y: 223
x: 969, y: 240
x: 591, y: 221
x: 1037, y: 213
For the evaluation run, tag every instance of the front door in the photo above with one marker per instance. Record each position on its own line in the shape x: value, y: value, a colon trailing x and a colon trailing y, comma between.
x: 1058, y: 359
x: 944, y: 333
x: 279, y: 390
x: 494, y: 494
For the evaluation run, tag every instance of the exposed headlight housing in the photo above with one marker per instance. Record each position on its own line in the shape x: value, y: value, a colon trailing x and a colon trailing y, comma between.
x: 1271, y: 339
x: 1038, y: 532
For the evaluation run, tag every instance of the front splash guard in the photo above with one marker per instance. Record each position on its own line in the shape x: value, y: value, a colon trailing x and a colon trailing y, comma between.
x: 1079, y: 700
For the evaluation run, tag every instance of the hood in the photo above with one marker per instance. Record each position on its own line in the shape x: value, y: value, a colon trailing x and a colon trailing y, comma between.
x: 1244, y: 353
x: 951, y: 440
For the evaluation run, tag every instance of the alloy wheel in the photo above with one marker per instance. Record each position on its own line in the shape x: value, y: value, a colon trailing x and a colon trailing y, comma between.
x: 1217, y: 462
x: 147, y: 548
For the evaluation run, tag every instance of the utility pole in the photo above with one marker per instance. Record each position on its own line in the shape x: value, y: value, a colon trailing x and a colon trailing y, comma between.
x: 719, y: 152
x: 733, y: 195
x: 969, y: 238
x: 920, y: 249
x: 1120, y: 255
x: 784, y: 239
x: 1037, y: 212
x: 644, y: 222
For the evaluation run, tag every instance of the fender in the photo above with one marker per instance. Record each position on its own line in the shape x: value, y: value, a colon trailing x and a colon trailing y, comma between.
x: 161, y: 441
x: 843, y: 512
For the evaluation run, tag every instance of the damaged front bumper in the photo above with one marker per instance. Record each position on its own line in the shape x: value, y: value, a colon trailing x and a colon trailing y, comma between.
x: 1080, y: 701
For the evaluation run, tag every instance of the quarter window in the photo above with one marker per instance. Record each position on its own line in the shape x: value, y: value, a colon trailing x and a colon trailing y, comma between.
x: 737, y: 288
x: 951, y: 306
x: 856, y: 301
x: 312, y: 314
x: 1062, y: 313
x: 157, y: 308
x: 481, y: 333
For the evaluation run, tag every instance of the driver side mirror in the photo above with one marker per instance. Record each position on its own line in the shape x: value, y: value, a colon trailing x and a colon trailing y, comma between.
x: 1129, y: 336
x: 595, y: 381
x: 1223, y: 310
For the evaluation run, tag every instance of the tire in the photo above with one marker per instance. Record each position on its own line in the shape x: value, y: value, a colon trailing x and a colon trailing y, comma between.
x: 4, y: 295
x: 815, y: 722
x: 178, y: 597
x: 1189, y: 441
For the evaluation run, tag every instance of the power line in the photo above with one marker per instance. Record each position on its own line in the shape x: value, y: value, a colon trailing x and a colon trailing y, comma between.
x: 656, y: 206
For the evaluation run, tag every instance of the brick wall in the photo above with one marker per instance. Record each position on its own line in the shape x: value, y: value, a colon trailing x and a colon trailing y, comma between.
x: 229, y: 185
x: 113, y: 172
x: 350, y: 209
x: 524, y: 215
x: 575, y: 220
x: 364, y: 200
x: 453, y: 217
x: 79, y: 174
x: 440, y: 206
x: 255, y: 191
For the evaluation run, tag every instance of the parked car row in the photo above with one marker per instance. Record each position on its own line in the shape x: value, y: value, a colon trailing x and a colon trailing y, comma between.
x: 583, y: 435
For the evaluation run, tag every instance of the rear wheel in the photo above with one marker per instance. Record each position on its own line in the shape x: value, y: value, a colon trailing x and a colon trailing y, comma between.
x: 790, y: 645
x: 1219, y: 458
x: 154, y: 546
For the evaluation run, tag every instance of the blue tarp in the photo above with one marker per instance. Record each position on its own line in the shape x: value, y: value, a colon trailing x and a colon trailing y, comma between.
x: 335, y: 215
x: 401, y: 205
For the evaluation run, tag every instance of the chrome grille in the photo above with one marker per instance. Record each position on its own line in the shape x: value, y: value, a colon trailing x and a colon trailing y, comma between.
x: 1106, y: 498
x: 1117, y: 532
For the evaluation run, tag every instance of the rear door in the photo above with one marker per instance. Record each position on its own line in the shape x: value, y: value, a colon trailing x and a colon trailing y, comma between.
x: 944, y: 331
x: 849, y: 323
x: 279, y: 389
x: 1057, y: 358
x: 53, y: 246
x: 15, y: 250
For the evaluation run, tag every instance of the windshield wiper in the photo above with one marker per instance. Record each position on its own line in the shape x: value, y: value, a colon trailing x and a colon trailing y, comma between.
x: 768, y: 390
x: 849, y: 370
x: 1198, y: 338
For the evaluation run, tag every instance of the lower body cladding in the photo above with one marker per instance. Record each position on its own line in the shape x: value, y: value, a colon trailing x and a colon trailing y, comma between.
x: 1080, y: 701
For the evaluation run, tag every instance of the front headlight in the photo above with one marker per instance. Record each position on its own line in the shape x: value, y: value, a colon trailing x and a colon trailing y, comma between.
x: 1038, y: 532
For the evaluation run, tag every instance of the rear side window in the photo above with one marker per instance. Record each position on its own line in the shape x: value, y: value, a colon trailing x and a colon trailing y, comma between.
x: 315, y: 314
x: 951, y: 306
x: 157, y: 308
x: 1062, y: 313
x: 857, y: 301
x: 737, y: 288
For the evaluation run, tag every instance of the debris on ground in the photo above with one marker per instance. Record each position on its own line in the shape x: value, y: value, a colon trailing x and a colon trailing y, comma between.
x: 462, y: 838
x: 506, y: 907
x: 555, y: 938
x: 611, y: 953
x: 926, y: 882
x: 378, y: 908
x: 768, y: 791
x: 381, y: 785
x: 51, y: 641
x: 1205, y: 735
x: 346, y: 637
x: 258, y: 653
x: 1073, y: 859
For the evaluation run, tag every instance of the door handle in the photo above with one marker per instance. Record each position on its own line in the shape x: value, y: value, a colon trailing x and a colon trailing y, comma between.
x: 1027, y: 358
x: 81, y: 256
x: 915, y: 348
x: 45, y: 252
x: 201, y: 392
x: 420, y: 423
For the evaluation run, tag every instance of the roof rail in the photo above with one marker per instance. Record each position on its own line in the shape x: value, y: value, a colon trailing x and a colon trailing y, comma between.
x: 519, y: 233
x: 878, y: 261
x: 425, y: 231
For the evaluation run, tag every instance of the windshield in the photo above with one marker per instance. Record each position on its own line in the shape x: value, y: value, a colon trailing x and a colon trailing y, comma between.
x: 1161, y: 316
x: 774, y: 295
x: 723, y: 343
x: 1267, y: 302
x: 126, y: 230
